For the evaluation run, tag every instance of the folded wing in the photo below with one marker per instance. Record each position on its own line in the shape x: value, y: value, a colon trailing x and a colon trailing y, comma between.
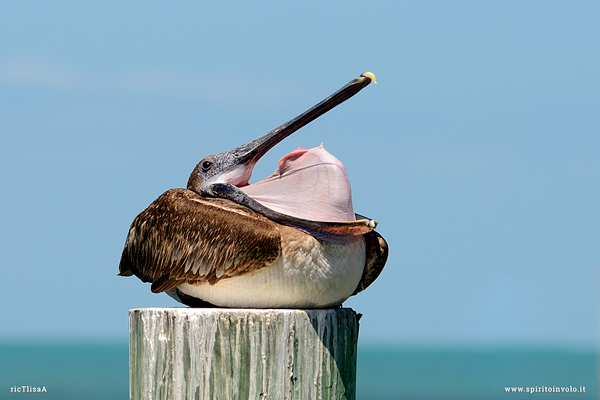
x: 183, y: 237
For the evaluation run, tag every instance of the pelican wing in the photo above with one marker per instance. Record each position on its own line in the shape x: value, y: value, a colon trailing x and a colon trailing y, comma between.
x: 185, y: 238
x: 377, y: 254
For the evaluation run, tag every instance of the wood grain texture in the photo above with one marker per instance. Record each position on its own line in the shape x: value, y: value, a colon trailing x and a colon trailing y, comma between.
x: 183, y: 353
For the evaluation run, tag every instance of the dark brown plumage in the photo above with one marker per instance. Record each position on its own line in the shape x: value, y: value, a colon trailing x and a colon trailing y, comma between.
x: 192, y: 237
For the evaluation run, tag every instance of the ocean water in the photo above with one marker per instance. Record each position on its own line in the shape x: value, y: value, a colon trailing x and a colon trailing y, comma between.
x: 68, y: 371
x: 475, y: 373
x: 71, y: 371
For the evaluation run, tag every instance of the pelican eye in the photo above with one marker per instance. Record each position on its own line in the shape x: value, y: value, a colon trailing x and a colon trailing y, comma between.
x: 206, y: 165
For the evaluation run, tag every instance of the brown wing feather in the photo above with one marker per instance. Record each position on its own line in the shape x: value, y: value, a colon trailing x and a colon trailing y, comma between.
x: 377, y: 254
x: 183, y: 237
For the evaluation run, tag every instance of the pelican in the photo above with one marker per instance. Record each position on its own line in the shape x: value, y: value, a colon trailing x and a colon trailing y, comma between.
x: 289, y: 241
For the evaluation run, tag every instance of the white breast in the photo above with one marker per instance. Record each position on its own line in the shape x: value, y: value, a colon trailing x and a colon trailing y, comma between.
x: 309, y: 274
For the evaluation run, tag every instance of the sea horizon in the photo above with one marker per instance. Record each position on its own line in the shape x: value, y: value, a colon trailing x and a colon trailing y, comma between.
x: 99, y: 369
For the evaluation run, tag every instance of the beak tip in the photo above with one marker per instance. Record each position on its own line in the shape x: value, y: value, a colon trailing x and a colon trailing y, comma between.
x: 370, y: 75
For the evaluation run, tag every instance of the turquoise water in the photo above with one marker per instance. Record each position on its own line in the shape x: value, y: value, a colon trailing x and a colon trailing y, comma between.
x: 100, y: 371
x: 453, y: 373
x: 67, y: 371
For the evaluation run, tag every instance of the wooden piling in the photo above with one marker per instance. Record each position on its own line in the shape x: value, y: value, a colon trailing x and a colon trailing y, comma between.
x: 213, y: 353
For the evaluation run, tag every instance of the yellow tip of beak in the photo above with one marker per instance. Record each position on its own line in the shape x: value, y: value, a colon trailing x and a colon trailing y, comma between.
x: 371, y: 76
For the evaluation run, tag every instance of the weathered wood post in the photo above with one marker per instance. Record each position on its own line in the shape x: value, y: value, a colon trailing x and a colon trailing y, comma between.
x: 213, y: 353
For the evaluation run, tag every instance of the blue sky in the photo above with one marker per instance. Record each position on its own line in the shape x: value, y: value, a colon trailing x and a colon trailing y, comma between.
x: 477, y: 152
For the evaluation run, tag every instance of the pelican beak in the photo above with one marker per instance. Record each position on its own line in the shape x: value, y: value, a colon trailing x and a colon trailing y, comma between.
x: 252, y: 151
x: 235, y: 166
x: 222, y: 175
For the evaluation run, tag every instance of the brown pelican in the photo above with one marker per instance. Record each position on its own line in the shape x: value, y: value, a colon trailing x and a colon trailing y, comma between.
x: 289, y: 241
